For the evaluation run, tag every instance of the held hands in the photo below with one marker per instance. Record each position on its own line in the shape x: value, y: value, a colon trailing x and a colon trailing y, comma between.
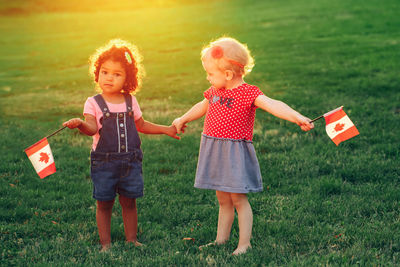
x: 73, y: 123
x: 304, y: 123
x: 179, y: 125
x: 171, y: 131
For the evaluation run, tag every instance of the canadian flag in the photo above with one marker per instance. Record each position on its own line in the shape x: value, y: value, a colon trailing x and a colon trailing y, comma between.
x: 338, y: 126
x: 41, y: 157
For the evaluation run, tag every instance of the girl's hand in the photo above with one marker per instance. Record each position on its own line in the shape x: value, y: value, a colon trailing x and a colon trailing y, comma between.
x: 304, y: 123
x: 179, y: 125
x: 171, y: 131
x: 73, y: 123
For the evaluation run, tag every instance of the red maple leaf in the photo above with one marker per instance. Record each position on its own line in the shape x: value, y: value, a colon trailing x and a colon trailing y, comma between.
x: 44, y: 157
x: 339, y: 127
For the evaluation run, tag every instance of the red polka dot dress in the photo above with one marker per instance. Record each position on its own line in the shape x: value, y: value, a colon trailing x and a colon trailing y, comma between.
x: 227, y: 159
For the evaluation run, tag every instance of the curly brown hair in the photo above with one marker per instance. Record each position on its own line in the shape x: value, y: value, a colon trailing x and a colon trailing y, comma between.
x: 128, y: 55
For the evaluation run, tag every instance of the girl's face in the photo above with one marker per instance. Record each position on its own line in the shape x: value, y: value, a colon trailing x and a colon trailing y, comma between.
x: 215, y: 76
x: 111, y: 77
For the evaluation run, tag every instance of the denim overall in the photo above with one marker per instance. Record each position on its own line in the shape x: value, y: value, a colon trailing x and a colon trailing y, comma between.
x: 116, y: 164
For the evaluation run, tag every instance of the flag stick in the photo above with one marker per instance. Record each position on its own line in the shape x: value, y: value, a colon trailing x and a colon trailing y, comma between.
x: 317, y: 118
x: 56, y: 132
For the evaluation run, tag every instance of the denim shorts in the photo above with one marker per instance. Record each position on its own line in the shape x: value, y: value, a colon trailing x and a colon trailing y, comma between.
x: 116, y: 173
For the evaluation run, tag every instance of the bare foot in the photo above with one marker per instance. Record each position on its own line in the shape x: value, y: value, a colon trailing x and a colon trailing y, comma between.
x: 136, y: 243
x: 215, y: 243
x: 208, y: 245
x: 241, y: 250
x: 105, y: 247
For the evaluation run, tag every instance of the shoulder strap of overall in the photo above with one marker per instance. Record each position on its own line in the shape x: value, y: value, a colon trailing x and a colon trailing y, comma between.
x: 128, y: 102
x: 102, y: 104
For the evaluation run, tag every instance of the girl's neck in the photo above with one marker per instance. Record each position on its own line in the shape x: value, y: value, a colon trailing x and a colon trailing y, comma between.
x: 117, y: 98
x: 234, y: 83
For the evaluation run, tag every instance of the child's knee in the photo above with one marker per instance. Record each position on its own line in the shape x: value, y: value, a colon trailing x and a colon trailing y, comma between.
x: 127, y: 203
x: 105, y: 205
x: 240, y: 200
x: 225, y: 202
x: 224, y: 198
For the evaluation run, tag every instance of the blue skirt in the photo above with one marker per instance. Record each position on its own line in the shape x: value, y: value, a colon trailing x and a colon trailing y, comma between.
x: 228, y: 165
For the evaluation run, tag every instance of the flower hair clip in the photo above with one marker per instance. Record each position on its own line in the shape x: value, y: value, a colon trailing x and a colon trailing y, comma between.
x: 217, y: 53
x: 128, y: 57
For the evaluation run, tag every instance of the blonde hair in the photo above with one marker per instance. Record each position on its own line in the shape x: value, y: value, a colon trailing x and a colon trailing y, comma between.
x: 129, y: 57
x: 235, y: 55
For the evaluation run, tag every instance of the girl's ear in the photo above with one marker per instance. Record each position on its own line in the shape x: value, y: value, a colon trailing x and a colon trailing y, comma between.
x: 229, y: 75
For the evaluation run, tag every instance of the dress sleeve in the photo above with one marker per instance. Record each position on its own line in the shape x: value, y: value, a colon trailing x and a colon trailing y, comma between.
x: 207, y: 93
x: 137, y: 113
x: 254, y: 92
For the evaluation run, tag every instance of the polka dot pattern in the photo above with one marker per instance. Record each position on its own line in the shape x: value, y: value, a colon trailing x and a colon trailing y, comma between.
x: 231, y: 113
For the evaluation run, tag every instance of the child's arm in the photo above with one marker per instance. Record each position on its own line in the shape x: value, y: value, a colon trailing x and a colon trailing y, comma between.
x: 88, y: 126
x: 283, y: 111
x: 196, y: 112
x: 147, y: 127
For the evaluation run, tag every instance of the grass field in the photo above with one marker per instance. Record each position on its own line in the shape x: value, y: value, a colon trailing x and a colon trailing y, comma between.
x: 321, y: 204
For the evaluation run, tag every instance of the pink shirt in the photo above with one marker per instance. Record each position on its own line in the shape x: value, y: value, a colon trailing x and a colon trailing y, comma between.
x: 231, y: 113
x: 92, y: 108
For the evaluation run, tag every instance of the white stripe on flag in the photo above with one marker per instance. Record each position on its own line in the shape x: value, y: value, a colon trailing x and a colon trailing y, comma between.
x: 39, y: 158
x: 338, y: 127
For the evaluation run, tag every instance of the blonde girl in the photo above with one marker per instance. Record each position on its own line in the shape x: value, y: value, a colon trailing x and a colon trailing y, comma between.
x: 227, y: 160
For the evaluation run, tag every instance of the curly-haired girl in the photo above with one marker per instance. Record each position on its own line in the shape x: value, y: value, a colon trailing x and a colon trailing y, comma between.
x: 113, y: 118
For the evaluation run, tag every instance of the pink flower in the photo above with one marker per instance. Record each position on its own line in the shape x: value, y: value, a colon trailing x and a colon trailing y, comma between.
x: 217, y: 52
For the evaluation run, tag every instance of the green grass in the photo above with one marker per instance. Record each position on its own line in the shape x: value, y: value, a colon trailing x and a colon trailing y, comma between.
x: 321, y: 204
